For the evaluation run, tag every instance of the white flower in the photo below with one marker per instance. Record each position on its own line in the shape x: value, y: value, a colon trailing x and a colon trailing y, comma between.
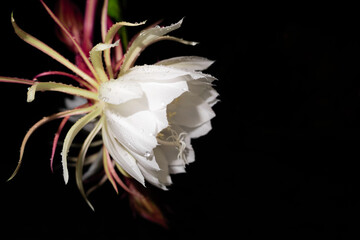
x: 151, y: 114
x: 146, y: 115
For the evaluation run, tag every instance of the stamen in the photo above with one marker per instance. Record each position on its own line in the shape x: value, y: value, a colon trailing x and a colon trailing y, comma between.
x: 182, y: 147
x: 175, y: 140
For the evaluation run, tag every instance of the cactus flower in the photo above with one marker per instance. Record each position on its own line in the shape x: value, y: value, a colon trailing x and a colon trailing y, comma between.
x: 143, y: 116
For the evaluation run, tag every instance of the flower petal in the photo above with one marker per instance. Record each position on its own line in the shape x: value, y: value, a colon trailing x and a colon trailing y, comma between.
x: 190, y: 110
x: 146, y: 38
x: 134, y: 132
x: 129, y: 124
x: 190, y: 153
x: 198, y: 131
x: 59, y: 87
x: 117, y: 91
x: 176, y: 169
x: 159, y: 95
x: 159, y: 178
x: 158, y: 116
x: 204, y: 90
x: 170, y: 153
x: 120, y: 155
x: 188, y: 63
x: 160, y: 84
x: 154, y: 73
x: 147, y: 161
x: 165, y: 74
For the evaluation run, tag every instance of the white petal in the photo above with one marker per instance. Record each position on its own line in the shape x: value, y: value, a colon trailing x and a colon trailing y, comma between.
x: 161, y: 119
x: 126, y: 110
x: 74, y: 102
x: 188, y: 63
x: 204, y: 90
x: 198, y: 131
x: 190, y: 153
x: 163, y: 174
x: 136, y: 132
x: 119, y: 91
x: 171, y: 155
x: 121, y: 156
x: 189, y: 111
x: 176, y: 169
x: 152, y: 177
x: 159, y: 95
x: 154, y: 73
x: 159, y: 178
x: 148, y: 161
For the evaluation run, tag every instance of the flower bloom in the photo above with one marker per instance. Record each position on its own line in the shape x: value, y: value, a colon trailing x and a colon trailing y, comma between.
x: 145, y: 116
x: 152, y: 112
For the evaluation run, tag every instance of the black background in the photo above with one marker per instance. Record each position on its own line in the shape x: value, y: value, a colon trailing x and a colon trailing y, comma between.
x: 280, y: 161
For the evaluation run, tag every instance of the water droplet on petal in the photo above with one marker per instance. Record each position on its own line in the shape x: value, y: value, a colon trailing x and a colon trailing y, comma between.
x: 105, y: 99
x: 148, y: 155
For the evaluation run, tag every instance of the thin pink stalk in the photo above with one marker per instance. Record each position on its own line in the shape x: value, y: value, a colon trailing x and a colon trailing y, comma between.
x: 104, y: 22
x: 56, y: 139
x: 109, y: 169
x: 118, y: 49
x: 16, y: 80
x: 81, y: 81
x: 71, y: 38
x: 119, y: 63
x: 119, y: 56
x: 57, y: 135
x: 89, y: 24
x: 115, y: 175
